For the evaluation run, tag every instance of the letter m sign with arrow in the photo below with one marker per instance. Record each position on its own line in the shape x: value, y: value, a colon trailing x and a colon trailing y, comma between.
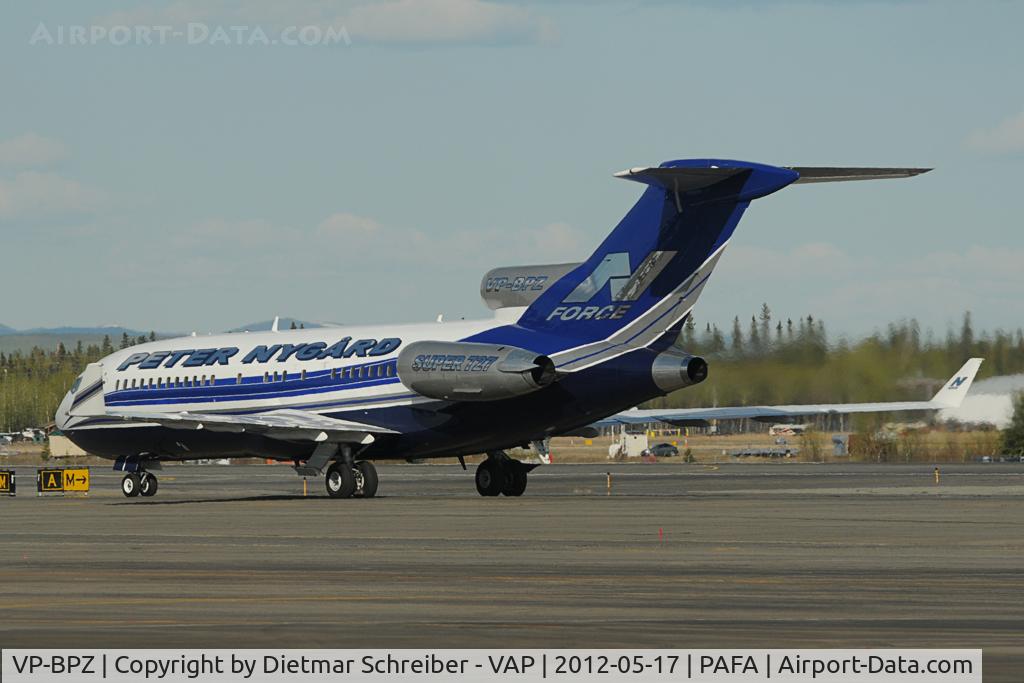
x: 62, y: 480
x: 77, y: 480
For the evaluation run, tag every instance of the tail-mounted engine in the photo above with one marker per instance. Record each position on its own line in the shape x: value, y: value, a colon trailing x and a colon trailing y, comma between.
x: 466, y: 371
x: 677, y: 369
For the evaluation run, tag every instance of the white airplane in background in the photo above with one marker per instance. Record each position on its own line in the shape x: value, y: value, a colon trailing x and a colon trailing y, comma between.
x: 570, y: 345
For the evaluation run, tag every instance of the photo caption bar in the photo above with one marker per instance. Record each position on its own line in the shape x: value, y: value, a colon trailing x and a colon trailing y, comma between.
x: 430, y: 666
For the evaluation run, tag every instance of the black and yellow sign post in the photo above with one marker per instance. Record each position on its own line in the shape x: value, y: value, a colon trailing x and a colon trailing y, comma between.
x: 7, y: 483
x: 63, y: 480
x: 77, y: 480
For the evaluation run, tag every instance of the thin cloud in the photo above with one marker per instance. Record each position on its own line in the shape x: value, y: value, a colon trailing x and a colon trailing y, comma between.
x: 32, y: 194
x: 1006, y: 137
x: 30, y: 150
x: 392, y: 22
x: 447, y: 22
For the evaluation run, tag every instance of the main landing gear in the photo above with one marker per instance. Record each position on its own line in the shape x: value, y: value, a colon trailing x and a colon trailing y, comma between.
x: 351, y: 481
x: 501, y: 475
x: 141, y: 483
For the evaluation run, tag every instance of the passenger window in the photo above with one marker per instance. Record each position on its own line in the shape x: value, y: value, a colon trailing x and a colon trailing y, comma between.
x: 284, y: 376
x: 303, y: 375
x: 117, y: 386
x: 277, y: 377
x: 150, y: 383
x: 388, y: 369
x: 133, y: 384
x: 238, y: 380
x: 266, y: 377
x: 334, y: 373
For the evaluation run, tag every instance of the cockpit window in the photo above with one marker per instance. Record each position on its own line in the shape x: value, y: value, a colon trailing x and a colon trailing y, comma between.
x: 78, y: 382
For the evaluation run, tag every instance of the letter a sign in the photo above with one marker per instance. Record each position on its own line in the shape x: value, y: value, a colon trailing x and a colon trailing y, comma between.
x: 50, y: 481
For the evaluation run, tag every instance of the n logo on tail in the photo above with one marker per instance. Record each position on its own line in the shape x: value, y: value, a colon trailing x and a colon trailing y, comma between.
x: 622, y: 284
x: 626, y: 284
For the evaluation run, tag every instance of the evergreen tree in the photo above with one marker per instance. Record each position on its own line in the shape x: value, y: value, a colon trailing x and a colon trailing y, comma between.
x: 294, y: 326
x: 107, y: 348
x: 689, y: 334
x: 966, y: 336
x: 125, y: 340
x: 755, y: 336
x: 1013, y: 436
x: 717, y: 340
x: 737, y: 336
x: 766, y: 323
x: 152, y: 336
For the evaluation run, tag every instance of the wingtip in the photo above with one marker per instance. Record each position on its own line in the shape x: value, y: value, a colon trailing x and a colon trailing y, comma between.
x: 955, y: 389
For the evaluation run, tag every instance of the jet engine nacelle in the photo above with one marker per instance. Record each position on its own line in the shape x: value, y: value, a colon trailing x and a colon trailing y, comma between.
x: 467, y: 371
x: 677, y: 369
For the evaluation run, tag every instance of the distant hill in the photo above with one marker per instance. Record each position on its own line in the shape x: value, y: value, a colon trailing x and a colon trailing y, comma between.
x: 112, y: 330
x: 49, y: 338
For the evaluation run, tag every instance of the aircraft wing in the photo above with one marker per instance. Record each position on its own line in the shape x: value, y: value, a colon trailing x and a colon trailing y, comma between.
x: 950, y: 396
x: 284, y: 424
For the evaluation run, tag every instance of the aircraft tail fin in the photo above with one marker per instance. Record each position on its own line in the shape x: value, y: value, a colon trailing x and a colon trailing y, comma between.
x: 640, y: 284
x: 649, y: 271
x: 952, y: 394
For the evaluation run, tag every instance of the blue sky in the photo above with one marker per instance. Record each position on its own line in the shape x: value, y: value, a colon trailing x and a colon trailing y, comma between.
x: 192, y: 185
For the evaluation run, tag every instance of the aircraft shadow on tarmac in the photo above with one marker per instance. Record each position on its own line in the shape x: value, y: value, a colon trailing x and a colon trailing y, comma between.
x: 239, y: 499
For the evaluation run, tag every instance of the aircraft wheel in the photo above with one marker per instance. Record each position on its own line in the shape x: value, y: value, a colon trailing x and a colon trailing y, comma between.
x: 516, y: 483
x: 366, y: 479
x: 341, y: 481
x: 148, y: 485
x: 130, y: 485
x: 490, y: 478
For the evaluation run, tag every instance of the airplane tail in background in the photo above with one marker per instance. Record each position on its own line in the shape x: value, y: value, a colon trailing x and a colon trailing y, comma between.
x: 639, y: 286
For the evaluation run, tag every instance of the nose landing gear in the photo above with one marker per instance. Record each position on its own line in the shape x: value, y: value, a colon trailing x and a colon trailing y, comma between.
x: 138, y: 481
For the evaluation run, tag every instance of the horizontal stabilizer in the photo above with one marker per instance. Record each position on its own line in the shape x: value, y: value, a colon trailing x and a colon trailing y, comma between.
x: 834, y: 174
x: 679, y: 179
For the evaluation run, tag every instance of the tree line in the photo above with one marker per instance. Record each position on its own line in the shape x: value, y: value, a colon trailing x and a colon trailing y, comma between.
x: 32, y: 384
x: 763, y: 361
x: 776, y: 361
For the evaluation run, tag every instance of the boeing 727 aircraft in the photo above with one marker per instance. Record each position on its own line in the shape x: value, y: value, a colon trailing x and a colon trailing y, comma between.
x: 570, y: 345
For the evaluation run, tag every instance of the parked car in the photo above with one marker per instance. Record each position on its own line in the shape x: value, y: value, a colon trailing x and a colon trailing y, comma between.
x: 662, y: 450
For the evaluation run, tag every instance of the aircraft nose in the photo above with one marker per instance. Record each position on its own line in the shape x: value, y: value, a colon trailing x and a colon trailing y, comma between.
x: 63, y: 412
